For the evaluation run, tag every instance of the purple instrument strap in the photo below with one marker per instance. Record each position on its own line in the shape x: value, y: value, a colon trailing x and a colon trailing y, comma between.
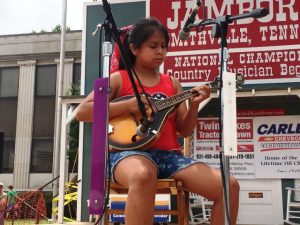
x: 99, y: 146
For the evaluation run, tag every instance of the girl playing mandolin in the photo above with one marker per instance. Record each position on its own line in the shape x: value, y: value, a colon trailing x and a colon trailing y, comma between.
x: 147, y: 45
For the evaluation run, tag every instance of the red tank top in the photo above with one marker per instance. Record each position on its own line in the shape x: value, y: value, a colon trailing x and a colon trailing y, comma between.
x: 164, y: 89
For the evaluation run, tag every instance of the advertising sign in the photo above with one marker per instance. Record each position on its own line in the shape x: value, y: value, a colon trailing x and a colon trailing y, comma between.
x: 277, y: 147
x: 207, y: 146
x: 264, y: 50
x: 268, y: 147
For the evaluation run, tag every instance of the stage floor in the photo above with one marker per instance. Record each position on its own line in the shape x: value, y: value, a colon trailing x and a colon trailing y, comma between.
x: 71, y: 223
x: 86, y: 223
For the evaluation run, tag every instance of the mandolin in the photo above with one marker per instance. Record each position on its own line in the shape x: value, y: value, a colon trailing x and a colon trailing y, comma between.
x: 122, y: 130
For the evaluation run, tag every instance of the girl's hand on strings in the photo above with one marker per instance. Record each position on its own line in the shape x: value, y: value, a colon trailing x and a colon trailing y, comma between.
x: 132, y: 103
x: 203, y: 93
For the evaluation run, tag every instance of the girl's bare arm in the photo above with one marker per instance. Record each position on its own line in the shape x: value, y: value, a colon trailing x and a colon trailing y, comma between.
x: 186, y: 118
x: 85, y: 109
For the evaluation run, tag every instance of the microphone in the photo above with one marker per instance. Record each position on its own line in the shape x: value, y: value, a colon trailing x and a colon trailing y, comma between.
x: 143, y: 129
x: 184, y: 33
x: 256, y: 13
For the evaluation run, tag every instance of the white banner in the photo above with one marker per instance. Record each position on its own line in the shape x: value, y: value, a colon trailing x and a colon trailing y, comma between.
x: 277, y: 147
x: 206, y: 142
x: 268, y: 147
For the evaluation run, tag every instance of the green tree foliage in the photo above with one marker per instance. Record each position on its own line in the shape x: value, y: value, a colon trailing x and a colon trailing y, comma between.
x: 73, y: 90
x: 57, y: 28
x: 73, y: 131
x: 73, y: 136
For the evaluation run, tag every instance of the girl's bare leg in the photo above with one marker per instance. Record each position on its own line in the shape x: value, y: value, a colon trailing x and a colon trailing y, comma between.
x: 206, y: 181
x: 139, y: 174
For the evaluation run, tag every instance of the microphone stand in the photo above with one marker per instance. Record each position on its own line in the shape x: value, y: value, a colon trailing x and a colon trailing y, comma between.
x: 227, y: 122
x: 100, y: 151
x: 116, y: 36
x: 100, y: 129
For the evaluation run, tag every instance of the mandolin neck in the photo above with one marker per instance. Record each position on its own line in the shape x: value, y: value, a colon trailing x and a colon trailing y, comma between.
x: 174, y: 100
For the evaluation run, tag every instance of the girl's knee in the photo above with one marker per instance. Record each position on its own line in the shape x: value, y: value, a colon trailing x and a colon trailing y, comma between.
x: 144, y: 177
x: 234, y: 190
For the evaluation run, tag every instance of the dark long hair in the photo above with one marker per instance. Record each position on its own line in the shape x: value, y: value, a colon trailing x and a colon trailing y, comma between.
x: 141, y: 31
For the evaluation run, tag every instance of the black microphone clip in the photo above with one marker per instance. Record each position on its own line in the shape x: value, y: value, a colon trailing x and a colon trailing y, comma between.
x: 143, y: 129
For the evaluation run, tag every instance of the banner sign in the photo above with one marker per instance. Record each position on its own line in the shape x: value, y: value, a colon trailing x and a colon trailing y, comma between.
x: 268, y: 147
x: 277, y: 147
x: 264, y: 50
x: 207, y: 146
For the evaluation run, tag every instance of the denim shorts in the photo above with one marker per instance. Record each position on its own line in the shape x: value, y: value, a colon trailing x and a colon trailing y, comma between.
x: 167, y: 162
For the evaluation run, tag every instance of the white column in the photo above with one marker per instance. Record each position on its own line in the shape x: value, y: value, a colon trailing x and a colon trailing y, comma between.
x: 24, y: 124
x: 68, y: 74
x: 64, y: 85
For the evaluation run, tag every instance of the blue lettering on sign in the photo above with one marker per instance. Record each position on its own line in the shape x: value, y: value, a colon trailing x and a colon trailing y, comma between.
x: 272, y: 129
x: 262, y: 129
x: 279, y: 129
